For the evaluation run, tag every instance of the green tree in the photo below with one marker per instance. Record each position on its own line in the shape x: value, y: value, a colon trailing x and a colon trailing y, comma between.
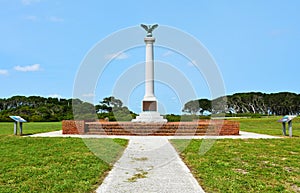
x: 108, y: 103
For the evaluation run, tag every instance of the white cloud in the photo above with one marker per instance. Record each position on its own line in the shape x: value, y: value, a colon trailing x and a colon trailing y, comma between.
x: 55, y: 96
x: 117, y: 56
x: 51, y: 19
x: 88, y: 95
x: 31, y: 18
x: 56, y: 19
x: 30, y: 68
x: 174, y: 99
x: 167, y: 53
x: 3, y: 72
x: 29, y: 2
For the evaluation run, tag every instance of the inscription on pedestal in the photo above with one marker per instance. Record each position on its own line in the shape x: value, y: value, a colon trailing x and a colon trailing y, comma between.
x: 149, y: 106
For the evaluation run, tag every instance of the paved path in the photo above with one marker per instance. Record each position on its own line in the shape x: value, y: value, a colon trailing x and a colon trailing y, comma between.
x: 149, y: 164
x: 243, y: 135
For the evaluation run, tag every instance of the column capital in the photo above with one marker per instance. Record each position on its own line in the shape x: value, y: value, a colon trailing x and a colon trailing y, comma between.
x: 149, y: 40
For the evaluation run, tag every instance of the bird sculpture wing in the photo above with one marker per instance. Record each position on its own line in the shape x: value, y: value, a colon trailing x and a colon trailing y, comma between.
x: 145, y: 27
x: 153, y: 27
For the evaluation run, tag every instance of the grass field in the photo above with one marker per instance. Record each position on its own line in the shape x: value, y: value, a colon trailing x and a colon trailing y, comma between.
x: 268, y: 125
x: 53, y: 164
x: 7, y: 128
x: 264, y: 165
x: 67, y: 165
x: 250, y: 165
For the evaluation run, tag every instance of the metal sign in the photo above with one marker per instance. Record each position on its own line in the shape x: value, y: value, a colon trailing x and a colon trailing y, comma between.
x: 287, y: 119
x: 18, y: 119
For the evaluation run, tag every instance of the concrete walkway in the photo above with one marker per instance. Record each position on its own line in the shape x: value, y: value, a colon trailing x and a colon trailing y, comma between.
x: 149, y: 164
x: 243, y: 135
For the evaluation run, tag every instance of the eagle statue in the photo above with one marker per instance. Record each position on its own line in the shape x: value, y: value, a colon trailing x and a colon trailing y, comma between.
x: 149, y: 29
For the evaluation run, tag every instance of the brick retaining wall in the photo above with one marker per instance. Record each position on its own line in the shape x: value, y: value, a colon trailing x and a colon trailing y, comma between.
x: 202, y: 127
x: 73, y: 127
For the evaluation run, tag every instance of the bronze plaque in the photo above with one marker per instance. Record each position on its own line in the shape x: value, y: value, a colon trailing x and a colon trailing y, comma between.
x: 149, y: 105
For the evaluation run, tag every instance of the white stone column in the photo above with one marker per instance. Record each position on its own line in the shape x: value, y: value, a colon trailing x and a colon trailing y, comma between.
x: 149, y: 104
x: 149, y: 70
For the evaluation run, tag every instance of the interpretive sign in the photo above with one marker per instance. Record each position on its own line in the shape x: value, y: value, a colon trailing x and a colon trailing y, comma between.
x: 287, y: 119
x: 20, y: 120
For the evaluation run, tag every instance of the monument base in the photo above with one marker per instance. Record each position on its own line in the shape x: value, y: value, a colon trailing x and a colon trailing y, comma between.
x: 149, y: 117
x: 196, y: 128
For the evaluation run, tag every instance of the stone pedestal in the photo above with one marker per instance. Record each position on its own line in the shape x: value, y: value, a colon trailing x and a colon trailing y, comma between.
x: 149, y: 103
x: 149, y: 117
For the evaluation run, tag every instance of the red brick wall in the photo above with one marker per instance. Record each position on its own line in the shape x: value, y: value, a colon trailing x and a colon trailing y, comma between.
x: 203, y: 127
x: 73, y: 127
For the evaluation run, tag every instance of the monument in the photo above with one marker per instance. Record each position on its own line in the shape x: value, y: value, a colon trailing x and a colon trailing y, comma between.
x: 149, y: 112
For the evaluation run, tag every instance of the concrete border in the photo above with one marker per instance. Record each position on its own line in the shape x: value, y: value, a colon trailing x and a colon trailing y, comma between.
x: 243, y: 135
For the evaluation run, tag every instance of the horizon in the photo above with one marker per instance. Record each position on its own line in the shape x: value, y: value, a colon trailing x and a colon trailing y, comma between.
x: 58, y: 97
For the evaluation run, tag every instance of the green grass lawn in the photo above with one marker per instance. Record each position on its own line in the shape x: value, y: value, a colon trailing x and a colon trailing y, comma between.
x: 67, y: 164
x: 253, y: 165
x: 268, y: 125
x: 250, y: 165
x: 7, y: 128
x: 53, y: 164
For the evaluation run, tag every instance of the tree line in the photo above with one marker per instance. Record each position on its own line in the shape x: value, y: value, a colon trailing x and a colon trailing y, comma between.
x: 36, y: 108
x: 283, y: 103
x: 39, y: 109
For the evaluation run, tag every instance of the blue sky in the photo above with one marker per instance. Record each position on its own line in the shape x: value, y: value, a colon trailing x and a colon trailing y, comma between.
x: 43, y: 42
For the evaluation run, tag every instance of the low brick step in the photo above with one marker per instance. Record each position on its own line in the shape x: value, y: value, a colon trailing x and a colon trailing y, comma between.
x: 150, y: 134
x: 203, y: 127
x: 95, y: 133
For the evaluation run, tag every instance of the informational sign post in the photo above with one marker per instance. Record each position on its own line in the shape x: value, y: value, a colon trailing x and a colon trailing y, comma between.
x: 287, y: 119
x: 20, y: 120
